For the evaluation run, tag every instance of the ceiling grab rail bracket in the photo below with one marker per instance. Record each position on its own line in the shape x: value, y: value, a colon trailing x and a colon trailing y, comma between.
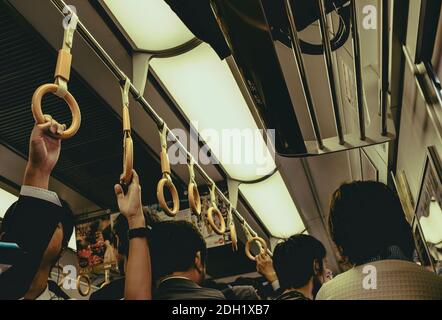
x: 140, y: 70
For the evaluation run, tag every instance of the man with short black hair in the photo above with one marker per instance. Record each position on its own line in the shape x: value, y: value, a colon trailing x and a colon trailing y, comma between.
x: 299, y: 263
x: 368, y: 225
x: 179, y: 262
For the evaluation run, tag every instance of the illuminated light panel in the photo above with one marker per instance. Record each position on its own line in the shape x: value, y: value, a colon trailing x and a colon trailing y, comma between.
x: 6, y: 199
x: 273, y: 204
x: 432, y: 225
x: 206, y: 91
x: 151, y: 24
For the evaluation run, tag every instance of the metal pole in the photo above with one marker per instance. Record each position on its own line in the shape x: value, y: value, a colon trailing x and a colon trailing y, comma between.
x: 385, y: 50
x: 329, y: 65
x: 358, y: 68
x: 296, y: 47
x: 116, y: 71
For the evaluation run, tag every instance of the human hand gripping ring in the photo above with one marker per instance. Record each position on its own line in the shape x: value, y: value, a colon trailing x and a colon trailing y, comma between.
x: 166, y: 181
x: 214, y: 210
x: 62, y: 75
x: 193, y: 193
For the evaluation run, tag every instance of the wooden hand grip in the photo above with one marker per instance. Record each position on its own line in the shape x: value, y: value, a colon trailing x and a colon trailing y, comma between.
x: 63, y: 68
x: 233, y: 237
x: 171, y: 212
x: 128, y: 161
x: 70, y: 100
x: 89, y: 285
x: 222, y: 228
x: 194, y: 199
x: 248, y: 244
x: 165, y: 165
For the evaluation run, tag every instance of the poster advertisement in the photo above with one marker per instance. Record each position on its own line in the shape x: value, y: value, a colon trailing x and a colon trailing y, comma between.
x: 95, y: 237
x: 212, y: 239
x: 429, y: 208
x: 95, y: 245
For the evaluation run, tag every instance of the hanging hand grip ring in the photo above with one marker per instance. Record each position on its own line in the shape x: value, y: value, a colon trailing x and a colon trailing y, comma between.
x: 214, y: 210
x: 84, y: 293
x: 250, y: 239
x: 60, y: 87
x: 166, y: 180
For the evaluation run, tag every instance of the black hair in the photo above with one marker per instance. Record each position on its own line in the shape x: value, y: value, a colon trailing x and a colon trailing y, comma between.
x: 366, y: 219
x: 121, y: 227
x: 173, y: 246
x: 67, y: 220
x: 294, y: 260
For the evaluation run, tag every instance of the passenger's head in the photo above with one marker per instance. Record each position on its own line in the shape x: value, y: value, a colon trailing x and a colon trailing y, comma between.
x: 121, y: 227
x: 60, y: 239
x: 299, y: 260
x: 177, y: 247
x: 366, y: 219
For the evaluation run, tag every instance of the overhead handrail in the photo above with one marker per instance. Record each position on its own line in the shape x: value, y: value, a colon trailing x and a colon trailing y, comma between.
x: 296, y: 47
x: 385, y: 66
x: 166, y: 180
x: 357, y: 60
x: 329, y: 66
x: 214, y: 210
x: 120, y: 76
x: 60, y: 86
x: 128, y: 148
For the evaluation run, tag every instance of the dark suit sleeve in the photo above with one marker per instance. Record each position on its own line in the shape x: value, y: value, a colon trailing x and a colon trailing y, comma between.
x: 32, y: 227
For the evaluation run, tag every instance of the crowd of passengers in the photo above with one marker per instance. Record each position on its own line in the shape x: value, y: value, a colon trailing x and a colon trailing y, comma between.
x: 167, y: 260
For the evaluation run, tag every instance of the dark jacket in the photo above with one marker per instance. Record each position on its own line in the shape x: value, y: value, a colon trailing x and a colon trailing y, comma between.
x: 113, y: 291
x: 32, y: 226
x: 184, y: 289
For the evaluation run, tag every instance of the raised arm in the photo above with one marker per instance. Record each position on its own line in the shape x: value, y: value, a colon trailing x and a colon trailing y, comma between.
x: 44, y: 151
x: 36, y: 214
x: 138, y: 269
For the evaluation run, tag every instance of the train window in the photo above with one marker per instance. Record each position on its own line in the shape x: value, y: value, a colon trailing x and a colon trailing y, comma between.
x: 6, y: 199
x: 437, y: 53
x: 72, y: 243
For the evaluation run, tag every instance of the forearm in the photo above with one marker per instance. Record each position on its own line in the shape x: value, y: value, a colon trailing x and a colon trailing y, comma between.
x: 36, y: 178
x: 138, y: 269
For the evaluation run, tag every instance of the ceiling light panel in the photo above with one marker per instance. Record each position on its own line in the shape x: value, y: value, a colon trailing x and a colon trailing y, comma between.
x: 151, y: 24
x: 207, y: 93
x: 274, y: 205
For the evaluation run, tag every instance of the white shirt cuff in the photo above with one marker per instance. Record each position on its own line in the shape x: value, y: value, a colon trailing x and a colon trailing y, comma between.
x: 275, y: 285
x: 40, y: 193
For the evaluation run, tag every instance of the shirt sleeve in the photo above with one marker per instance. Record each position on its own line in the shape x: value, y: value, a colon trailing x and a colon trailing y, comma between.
x: 41, y: 194
x: 275, y: 285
